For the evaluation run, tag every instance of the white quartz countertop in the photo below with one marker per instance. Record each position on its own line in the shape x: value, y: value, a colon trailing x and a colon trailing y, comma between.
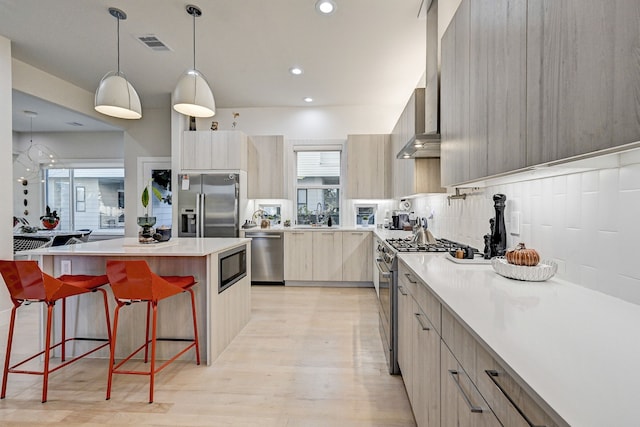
x: 578, y: 349
x: 177, y: 246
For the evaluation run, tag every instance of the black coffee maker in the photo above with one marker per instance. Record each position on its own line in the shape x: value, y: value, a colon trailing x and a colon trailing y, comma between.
x: 398, y: 220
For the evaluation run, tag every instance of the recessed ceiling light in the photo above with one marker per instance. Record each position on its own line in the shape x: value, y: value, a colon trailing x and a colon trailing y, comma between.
x: 308, y: 99
x: 296, y: 71
x: 326, y: 7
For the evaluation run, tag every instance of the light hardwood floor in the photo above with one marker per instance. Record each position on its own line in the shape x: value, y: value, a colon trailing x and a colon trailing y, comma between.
x: 308, y: 357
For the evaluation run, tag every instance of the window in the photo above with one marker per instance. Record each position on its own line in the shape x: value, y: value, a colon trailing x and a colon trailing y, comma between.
x: 87, y: 198
x: 318, y: 186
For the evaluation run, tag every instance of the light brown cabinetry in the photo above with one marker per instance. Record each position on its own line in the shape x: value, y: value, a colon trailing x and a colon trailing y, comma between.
x: 208, y: 150
x: 357, y: 256
x: 368, y: 166
x: 266, y: 168
x: 525, y: 82
x: 419, y: 347
x: 583, y: 77
x: 462, y: 403
x: 327, y: 255
x: 298, y: 255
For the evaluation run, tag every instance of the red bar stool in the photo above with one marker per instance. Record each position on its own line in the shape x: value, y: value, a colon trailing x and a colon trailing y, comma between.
x: 131, y: 282
x: 27, y: 283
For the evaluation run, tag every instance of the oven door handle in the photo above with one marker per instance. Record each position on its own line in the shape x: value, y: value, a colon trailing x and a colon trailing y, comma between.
x: 382, y: 268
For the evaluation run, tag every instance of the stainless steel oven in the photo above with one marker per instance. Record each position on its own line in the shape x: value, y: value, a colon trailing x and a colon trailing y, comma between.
x: 388, y: 304
x: 232, y: 266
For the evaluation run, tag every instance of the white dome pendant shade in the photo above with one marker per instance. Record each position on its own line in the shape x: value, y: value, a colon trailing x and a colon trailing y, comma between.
x: 115, y: 96
x: 192, y: 95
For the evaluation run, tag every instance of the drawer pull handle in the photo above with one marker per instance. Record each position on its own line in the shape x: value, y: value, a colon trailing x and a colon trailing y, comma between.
x: 401, y: 290
x: 456, y: 379
x: 409, y: 277
x: 493, y: 375
x: 422, y: 325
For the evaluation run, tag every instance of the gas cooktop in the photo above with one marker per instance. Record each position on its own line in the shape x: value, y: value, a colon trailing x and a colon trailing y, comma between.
x: 441, y: 245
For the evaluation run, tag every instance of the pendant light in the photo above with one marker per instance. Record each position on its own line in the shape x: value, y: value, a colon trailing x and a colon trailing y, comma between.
x: 115, y: 96
x: 192, y: 95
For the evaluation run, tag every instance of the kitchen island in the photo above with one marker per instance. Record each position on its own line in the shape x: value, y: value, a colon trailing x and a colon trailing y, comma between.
x: 572, y: 349
x: 221, y: 316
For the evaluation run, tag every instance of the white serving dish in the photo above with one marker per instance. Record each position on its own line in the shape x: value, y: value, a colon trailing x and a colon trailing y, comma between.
x: 545, y: 270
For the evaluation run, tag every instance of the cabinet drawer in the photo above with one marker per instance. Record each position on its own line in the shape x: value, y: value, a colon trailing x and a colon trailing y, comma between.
x: 511, y: 404
x: 427, y: 301
x: 460, y: 341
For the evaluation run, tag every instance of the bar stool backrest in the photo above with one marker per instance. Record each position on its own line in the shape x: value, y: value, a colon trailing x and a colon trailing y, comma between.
x: 23, y: 279
x: 134, y: 280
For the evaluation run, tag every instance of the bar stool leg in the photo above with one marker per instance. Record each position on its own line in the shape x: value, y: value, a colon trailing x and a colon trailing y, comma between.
x: 106, y: 313
x: 146, y: 335
x: 153, y: 351
x: 113, y: 351
x: 63, y: 333
x: 195, y: 325
x: 9, y: 344
x: 47, y: 353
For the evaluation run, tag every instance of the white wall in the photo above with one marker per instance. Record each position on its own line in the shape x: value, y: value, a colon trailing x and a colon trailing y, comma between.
x: 6, y: 175
x: 587, y: 222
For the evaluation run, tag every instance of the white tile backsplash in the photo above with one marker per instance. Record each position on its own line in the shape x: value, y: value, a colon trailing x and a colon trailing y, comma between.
x: 587, y: 222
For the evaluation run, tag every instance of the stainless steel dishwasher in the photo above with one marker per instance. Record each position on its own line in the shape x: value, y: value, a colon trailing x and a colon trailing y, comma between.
x: 267, y: 257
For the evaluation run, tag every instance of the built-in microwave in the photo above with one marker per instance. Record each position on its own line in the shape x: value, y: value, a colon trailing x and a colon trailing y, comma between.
x: 232, y: 266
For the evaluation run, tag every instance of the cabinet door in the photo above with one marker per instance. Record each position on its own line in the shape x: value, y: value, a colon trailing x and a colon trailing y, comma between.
x: 368, y: 160
x: 461, y: 403
x: 356, y: 255
x: 583, y: 77
x: 425, y: 369
x: 461, y: 91
x: 265, y: 171
x: 449, y: 160
x: 298, y: 255
x: 228, y: 150
x: 196, y: 150
x: 405, y: 350
x: 504, y: 22
x: 327, y: 255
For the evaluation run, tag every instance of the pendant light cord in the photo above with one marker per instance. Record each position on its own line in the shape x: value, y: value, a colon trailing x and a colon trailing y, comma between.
x: 194, y: 40
x: 118, y: 38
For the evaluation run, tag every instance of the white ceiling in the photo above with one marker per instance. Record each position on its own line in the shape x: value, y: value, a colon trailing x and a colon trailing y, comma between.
x: 369, y: 52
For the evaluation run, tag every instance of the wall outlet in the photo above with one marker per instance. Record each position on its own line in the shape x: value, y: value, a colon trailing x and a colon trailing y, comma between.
x: 514, y: 224
x: 65, y: 266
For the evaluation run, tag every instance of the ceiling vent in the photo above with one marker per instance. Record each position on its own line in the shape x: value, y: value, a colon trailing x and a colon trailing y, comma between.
x: 153, y: 43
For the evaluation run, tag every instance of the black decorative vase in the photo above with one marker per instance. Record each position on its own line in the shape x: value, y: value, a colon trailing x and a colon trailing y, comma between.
x: 498, y: 245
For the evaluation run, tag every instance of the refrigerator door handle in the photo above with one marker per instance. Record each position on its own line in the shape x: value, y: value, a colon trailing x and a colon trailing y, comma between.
x: 198, y: 215
x: 201, y: 215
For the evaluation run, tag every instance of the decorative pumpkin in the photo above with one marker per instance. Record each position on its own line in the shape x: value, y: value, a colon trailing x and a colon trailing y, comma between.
x: 523, y: 256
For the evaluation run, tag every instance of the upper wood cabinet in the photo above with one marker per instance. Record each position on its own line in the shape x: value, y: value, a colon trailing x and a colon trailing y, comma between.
x: 368, y: 167
x: 583, y: 77
x: 266, y: 172
x: 525, y: 82
x: 213, y: 150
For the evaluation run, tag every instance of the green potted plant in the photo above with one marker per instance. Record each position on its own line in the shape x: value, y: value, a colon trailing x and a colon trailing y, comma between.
x: 50, y: 219
x: 146, y: 221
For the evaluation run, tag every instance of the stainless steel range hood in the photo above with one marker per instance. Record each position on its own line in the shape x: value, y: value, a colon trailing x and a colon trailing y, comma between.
x: 425, y: 140
x: 420, y: 146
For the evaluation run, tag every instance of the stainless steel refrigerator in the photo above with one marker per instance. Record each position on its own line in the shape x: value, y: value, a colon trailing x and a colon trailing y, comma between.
x: 208, y: 205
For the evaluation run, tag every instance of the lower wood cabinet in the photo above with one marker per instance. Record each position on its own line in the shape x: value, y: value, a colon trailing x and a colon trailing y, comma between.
x: 327, y: 255
x: 298, y: 255
x: 356, y: 256
x: 462, y: 403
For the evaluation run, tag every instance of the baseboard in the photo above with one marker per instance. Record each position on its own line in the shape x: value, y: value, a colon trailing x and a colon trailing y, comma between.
x: 329, y: 284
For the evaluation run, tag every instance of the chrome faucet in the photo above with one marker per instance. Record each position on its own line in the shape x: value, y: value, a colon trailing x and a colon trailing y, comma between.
x: 318, y: 209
